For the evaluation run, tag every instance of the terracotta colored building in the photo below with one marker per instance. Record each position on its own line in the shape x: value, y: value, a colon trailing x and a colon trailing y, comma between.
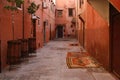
x: 43, y: 29
x: 96, y: 23
x: 98, y: 31
x: 48, y: 20
x: 65, y: 18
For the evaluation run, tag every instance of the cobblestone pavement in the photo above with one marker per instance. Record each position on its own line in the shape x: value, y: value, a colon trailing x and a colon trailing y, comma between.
x: 50, y: 64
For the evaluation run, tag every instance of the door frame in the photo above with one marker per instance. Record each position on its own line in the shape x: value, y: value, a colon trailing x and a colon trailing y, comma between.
x: 113, y: 14
x: 83, y: 26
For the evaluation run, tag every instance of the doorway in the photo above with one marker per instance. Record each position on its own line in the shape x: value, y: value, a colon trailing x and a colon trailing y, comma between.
x: 44, y: 32
x: 34, y: 28
x: 50, y: 33
x: 115, y: 40
x: 82, y: 32
x: 59, y: 31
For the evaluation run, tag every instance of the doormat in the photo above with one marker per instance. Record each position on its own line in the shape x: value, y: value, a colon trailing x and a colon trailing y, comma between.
x: 81, y: 60
x: 74, y: 44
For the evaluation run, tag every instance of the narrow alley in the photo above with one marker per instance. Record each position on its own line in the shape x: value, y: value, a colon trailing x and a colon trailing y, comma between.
x: 49, y: 63
x: 59, y: 39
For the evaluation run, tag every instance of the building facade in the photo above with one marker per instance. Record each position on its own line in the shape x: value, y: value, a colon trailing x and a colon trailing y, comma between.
x: 65, y: 18
x: 97, y: 31
x: 95, y: 23
x: 20, y: 26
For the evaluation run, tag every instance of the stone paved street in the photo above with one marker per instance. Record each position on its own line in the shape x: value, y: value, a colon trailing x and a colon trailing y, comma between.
x: 50, y: 64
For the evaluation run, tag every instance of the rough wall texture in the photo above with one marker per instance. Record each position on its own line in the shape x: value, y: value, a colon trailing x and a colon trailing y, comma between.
x: 97, y: 36
x: 6, y: 32
x: 6, y: 28
x: 27, y: 21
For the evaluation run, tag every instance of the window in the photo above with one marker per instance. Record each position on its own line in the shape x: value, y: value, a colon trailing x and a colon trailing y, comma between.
x: 70, y: 12
x: 59, y: 13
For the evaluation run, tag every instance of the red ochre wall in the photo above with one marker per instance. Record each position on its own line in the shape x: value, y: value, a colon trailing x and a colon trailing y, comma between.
x: 97, y: 36
x: 6, y: 33
x: 27, y: 21
x: 6, y: 29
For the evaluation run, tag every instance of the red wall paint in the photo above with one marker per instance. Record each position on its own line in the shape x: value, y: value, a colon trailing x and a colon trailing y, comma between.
x: 6, y: 29
x: 27, y: 21
x: 116, y: 3
x: 97, y: 36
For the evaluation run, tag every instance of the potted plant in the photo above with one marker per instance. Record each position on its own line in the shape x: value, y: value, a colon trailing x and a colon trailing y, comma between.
x: 14, y: 46
x: 32, y: 9
x: 32, y: 41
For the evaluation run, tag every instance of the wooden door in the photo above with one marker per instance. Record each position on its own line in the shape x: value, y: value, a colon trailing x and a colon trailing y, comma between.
x: 82, y: 32
x: 82, y: 36
x: 115, y: 25
x: 44, y: 32
x: 116, y: 44
x: 34, y: 28
x: 60, y: 31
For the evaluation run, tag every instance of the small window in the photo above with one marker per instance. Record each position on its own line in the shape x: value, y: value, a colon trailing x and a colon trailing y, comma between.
x: 59, y: 13
x: 80, y: 3
x: 70, y: 12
